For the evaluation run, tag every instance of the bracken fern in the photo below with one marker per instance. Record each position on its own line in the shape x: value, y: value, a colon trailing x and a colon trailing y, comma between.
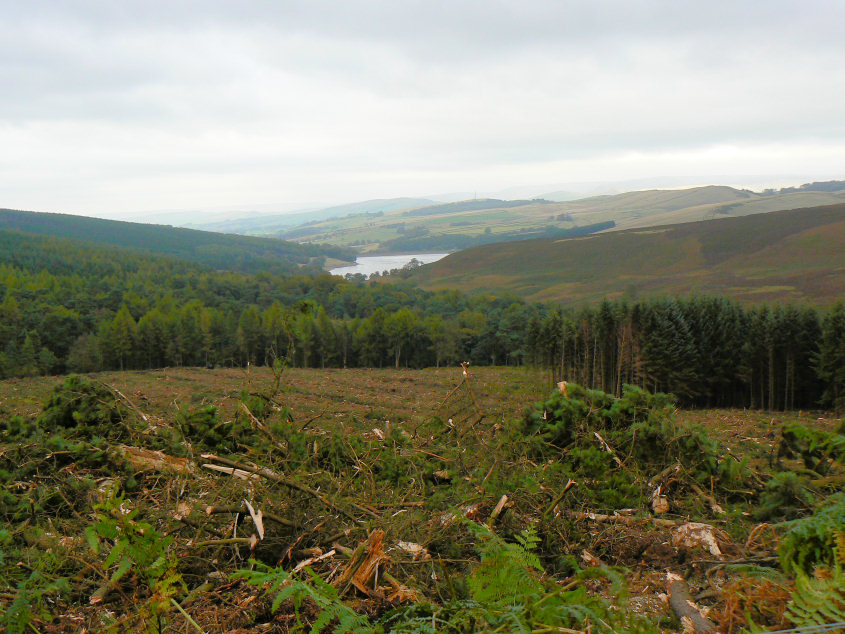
x: 819, y: 599
x: 320, y: 593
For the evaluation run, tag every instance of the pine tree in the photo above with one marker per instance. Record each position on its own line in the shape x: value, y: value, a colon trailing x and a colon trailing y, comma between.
x: 326, y: 337
x: 152, y: 338
x: 669, y: 351
x: 250, y: 336
x: 830, y: 362
x: 122, y: 335
x: 402, y: 329
x: 370, y: 339
x: 27, y: 361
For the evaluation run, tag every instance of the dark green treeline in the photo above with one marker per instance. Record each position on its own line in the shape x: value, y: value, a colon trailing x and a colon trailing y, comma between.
x: 65, y: 306
x: 708, y: 351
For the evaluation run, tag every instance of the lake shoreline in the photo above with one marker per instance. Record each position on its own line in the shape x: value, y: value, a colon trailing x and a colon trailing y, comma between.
x: 367, y: 265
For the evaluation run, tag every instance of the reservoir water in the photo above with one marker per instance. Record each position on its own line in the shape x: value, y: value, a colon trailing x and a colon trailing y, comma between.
x: 378, y: 263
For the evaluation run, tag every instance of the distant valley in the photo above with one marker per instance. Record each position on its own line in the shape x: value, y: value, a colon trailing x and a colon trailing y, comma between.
x: 716, y: 240
x: 407, y: 225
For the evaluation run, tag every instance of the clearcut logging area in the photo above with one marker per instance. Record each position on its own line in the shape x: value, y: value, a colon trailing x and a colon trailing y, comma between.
x: 439, y: 500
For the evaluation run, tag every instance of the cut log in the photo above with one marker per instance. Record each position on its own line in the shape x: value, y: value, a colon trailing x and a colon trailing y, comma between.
x: 698, y: 535
x: 498, y: 510
x: 690, y: 615
x: 149, y: 460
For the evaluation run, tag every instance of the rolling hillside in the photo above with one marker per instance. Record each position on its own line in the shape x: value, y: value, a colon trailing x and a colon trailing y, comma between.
x: 780, y: 256
x: 219, y: 251
x: 460, y: 225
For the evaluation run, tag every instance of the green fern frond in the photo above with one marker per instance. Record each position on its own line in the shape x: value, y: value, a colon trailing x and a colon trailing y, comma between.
x: 810, y: 542
x: 322, y: 594
x: 819, y: 599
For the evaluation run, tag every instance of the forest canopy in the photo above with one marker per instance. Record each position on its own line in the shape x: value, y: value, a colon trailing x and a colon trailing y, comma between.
x: 216, y: 250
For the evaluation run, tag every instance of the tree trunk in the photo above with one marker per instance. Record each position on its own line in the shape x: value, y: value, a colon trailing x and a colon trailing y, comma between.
x: 771, y: 378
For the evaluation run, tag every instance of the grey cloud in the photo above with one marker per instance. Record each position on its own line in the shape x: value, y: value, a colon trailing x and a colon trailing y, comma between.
x: 204, y: 87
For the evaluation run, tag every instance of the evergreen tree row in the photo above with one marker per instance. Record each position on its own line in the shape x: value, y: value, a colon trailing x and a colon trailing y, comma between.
x: 708, y: 351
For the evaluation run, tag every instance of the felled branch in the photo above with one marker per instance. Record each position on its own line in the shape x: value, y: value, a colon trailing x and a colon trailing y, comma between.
x: 560, y: 497
x: 251, y: 541
x: 292, y: 484
x: 621, y: 519
x: 498, y: 510
x: 213, y: 510
x: 714, y: 505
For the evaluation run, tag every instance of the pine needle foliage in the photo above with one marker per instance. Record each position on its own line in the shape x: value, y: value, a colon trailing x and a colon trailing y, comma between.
x: 785, y: 497
x: 590, y: 432
x: 85, y: 409
x: 206, y: 431
x: 818, y: 449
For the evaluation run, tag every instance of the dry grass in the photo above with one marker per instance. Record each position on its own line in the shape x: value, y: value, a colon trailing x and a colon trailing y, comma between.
x: 331, y: 395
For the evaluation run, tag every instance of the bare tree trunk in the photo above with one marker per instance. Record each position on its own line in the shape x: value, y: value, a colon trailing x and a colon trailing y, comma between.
x: 771, y: 378
x: 563, y: 357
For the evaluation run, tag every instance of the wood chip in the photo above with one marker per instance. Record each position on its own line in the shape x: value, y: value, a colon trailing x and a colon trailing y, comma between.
x: 313, y: 560
x: 257, y: 519
x: 232, y: 471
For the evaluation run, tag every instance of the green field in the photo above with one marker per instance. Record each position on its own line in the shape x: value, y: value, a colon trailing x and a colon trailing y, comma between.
x: 780, y: 256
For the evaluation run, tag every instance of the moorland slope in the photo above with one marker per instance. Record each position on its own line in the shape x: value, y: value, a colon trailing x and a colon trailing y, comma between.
x: 792, y: 255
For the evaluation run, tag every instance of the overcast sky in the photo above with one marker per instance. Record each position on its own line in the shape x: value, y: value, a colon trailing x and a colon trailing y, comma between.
x: 113, y: 108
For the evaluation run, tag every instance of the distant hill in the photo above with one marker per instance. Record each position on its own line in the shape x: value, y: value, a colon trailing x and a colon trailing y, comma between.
x: 457, y: 225
x: 818, y: 186
x: 471, y: 205
x: 273, y: 223
x: 795, y: 255
x: 219, y: 251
